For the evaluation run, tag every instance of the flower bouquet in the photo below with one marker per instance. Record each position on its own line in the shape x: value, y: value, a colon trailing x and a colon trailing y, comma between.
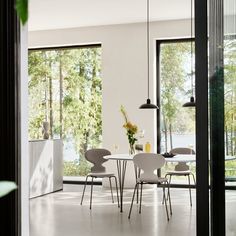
x: 131, y: 131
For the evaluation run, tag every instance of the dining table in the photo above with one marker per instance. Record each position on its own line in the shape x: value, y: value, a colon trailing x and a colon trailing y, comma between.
x: 121, y: 164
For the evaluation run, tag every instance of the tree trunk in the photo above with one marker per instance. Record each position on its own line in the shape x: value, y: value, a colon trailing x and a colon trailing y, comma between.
x: 165, y: 131
x: 234, y: 146
x: 226, y: 140
x: 50, y: 105
x: 171, y: 140
x: 84, y: 146
x: 61, y: 97
x: 231, y: 136
x: 46, y: 90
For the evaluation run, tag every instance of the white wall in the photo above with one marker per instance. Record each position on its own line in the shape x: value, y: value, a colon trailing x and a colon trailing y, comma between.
x: 24, y: 134
x: 124, y: 71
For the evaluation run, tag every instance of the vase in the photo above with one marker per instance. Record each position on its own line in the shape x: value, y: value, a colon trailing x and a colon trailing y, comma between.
x: 131, y: 149
x: 45, y: 130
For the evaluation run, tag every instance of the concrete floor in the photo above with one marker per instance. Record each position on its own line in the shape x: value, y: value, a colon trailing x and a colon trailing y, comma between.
x: 60, y: 214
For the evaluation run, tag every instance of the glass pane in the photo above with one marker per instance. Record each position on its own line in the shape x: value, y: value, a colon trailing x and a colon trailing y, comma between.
x: 176, y: 88
x: 230, y: 111
x: 65, y: 89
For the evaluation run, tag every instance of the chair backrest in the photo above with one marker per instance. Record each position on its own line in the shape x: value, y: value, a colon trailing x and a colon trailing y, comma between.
x: 148, y: 162
x: 95, y: 156
x: 182, y: 150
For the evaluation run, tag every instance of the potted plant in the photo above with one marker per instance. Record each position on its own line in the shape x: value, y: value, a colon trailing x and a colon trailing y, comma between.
x: 22, y: 10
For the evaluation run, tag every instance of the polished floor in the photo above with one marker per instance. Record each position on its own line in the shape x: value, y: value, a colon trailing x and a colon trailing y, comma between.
x: 60, y: 214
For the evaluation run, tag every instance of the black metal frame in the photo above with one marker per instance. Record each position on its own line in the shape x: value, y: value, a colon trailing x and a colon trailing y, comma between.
x: 201, y: 78
x: 10, y: 162
x: 65, y: 47
x: 216, y: 85
x: 158, y: 115
x: 201, y: 85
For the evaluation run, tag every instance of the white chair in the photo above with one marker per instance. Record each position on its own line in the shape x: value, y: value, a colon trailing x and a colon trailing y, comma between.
x: 182, y: 169
x: 148, y: 163
x: 95, y: 156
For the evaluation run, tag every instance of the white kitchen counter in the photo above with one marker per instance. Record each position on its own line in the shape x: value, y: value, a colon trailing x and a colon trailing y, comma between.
x: 46, y: 166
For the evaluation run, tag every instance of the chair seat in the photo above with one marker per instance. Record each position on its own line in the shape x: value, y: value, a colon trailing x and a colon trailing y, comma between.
x: 101, y: 174
x: 175, y: 172
x: 157, y: 180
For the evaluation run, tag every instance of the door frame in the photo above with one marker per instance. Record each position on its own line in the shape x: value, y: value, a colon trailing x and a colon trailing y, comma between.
x: 10, y: 151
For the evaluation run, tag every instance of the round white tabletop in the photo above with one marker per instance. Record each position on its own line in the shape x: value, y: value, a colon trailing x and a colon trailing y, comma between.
x: 124, y: 157
x: 181, y: 158
x: 191, y: 158
x: 177, y: 158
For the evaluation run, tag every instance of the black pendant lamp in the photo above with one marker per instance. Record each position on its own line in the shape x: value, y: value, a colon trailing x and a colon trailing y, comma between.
x: 191, y: 103
x: 148, y: 104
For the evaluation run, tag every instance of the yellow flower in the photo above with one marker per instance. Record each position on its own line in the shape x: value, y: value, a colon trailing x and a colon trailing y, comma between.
x: 132, y: 128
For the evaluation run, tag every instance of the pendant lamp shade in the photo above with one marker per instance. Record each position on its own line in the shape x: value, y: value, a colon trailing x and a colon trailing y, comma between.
x: 148, y: 104
x: 191, y: 103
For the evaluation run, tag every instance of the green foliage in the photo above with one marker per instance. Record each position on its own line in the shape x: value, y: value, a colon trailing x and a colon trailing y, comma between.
x: 22, y: 10
x: 65, y: 88
x: 175, y: 78
x: 76, y: 168
x: 230, y: 97
x: 6, y: 187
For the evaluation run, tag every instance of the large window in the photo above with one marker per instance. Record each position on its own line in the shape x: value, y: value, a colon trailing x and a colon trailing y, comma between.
x: 65, y: 89
x: 177, y: 122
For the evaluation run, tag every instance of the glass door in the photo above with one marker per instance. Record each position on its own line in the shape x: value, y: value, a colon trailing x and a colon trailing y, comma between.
x: 230, y: 113
x: 222, y: 110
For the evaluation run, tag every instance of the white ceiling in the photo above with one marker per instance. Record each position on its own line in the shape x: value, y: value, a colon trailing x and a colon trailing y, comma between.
x: 57, y: 14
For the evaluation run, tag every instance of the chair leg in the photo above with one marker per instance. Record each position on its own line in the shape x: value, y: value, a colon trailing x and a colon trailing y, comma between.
x: 112, y: 198
x: 136, y: 171
x: 137, y: 194
x: 84, y: 190
x: 163, y: 191
x: 167, y: 213
x: 91, y: 195
x: 193, y: 178
x: 141, y: 195
x: 132, y: 200
x: 190, y: 195
x: 117, y: 194
x: 163, y: 196
x: 168, y: 188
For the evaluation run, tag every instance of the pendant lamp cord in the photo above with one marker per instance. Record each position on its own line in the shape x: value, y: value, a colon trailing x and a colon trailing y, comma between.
x: 192, y: 46
x: 148, y: 46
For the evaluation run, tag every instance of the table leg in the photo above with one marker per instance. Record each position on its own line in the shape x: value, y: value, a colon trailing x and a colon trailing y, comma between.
x: 121, y: 169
